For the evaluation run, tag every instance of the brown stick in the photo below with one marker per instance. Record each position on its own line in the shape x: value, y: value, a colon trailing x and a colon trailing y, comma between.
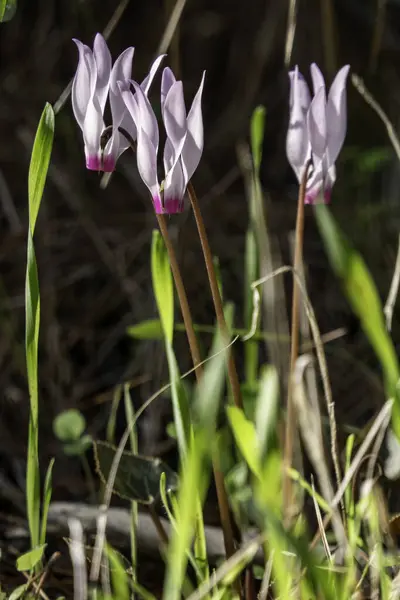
x: 290, y: 427
x: 216, y: 296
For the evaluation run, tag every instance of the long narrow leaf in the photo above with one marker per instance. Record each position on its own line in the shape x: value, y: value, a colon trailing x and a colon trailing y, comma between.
x: 363, y: 296
x: 37, y: 176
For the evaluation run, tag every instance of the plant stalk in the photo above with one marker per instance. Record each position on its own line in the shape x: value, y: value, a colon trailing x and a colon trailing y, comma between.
x: 183, y: 300
x: 216, y: 296
x: 223, y: 503
x: 290, y: 427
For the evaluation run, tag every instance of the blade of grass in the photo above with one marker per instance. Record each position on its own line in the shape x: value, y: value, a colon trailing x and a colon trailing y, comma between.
x: 47, y: 491
x: 363, y: 296
x: 195, y: 470
x: 39, y: 164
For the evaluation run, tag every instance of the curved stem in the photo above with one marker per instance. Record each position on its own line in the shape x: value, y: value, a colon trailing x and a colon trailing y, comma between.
x: 290, y: 426
x: 223, y: 503
x: 216, y: 296
x: 183, y: 301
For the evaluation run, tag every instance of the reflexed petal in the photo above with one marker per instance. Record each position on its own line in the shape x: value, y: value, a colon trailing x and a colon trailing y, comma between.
x: 168, y: 155
x: 146, y: 119
x: 174, y: 117
x: 122, y: 69
x: 83, y: 83
x: 120, y: 76
x: 317, y: 128
x: 174, y: 190
x: 297, y: 141
x: 93, y: 127
x: 147, y: 81
x: 167, y: 80
x: 102, y: 58
x: 129, y: 100
x: 317, y: 78
x: 121, y: 72
x: 113, y: 150
x: 299, y: 88
x: 337, y: 114
x: 147, y: 163
x: 194, y: 142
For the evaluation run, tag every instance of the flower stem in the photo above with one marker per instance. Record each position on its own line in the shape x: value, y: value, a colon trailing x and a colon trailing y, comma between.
x: 183, y: 300
x: 223, y: 503
x: 216, y: 296
x: 290, y: 427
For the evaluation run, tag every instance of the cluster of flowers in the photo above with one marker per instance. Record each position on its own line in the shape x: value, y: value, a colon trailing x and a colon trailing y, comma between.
x: 316, y: 133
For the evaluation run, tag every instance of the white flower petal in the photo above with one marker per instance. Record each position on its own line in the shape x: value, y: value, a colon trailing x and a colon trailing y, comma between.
x: 316, y: 123
x: 298, y: 147
x: 317, y: 78
x: 194, y: 142
x: 147, y: 81
x: 102, y: 58
x: 84, y: 82
x: 337, y: 114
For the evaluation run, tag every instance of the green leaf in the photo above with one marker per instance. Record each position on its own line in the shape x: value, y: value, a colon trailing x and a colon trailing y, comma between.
x: 364, y: 299
x: 79, y: 447
x: 119, y: 576
x: 138, y: 477
x: 196, y: 467
x: 245, y: 437
x: 7, y: 10
x: 162, y: 285
x: 18, y: 592
x: 47, y: 491
x: 69, y: 425
x: 30, y: 559
x: 180, y: 404
x: 40, y: 161
x: 151, y: 329
x: 257, y: 135
x: 37, y: 176
x: 267, y: 408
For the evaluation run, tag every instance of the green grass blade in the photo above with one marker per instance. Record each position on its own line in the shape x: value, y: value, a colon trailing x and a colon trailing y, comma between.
x: 363, y: 296
x: 47, y: 491
x: 162, y: 285
x: 196, y: 467
x: 37, y: 176
x: 257, y: 127
x: 39, y: 164
x: 3, y: 6
x: 119, y: 576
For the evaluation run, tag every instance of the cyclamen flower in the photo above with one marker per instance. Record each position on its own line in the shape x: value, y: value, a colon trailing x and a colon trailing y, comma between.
x: 317, y: 129
x: 93, y: 82
x: 184, y: 142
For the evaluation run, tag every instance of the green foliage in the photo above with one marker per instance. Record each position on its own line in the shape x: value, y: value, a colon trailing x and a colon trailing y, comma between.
x: 40, y: 159
x: 69, y: 427
x: 7, y: 10
x: 195, y: 468
x: 29, y: 560
x: 364, y: 299
x: 162, y: 285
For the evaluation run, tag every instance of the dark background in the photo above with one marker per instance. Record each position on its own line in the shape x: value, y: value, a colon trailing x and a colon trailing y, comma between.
x: 93, y: 244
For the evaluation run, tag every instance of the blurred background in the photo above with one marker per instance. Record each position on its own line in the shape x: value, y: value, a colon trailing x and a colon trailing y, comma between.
x: 93, y: 240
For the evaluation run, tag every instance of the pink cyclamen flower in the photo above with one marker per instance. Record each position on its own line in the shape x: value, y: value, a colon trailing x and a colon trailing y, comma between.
x: 317, y: 129
x: 94, y: 81
x: 184, y: 140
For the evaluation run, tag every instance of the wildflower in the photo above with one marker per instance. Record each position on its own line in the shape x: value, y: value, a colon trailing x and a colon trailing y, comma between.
x: 317, y: 129
x: 184, y: 140
x: 94, y: 81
